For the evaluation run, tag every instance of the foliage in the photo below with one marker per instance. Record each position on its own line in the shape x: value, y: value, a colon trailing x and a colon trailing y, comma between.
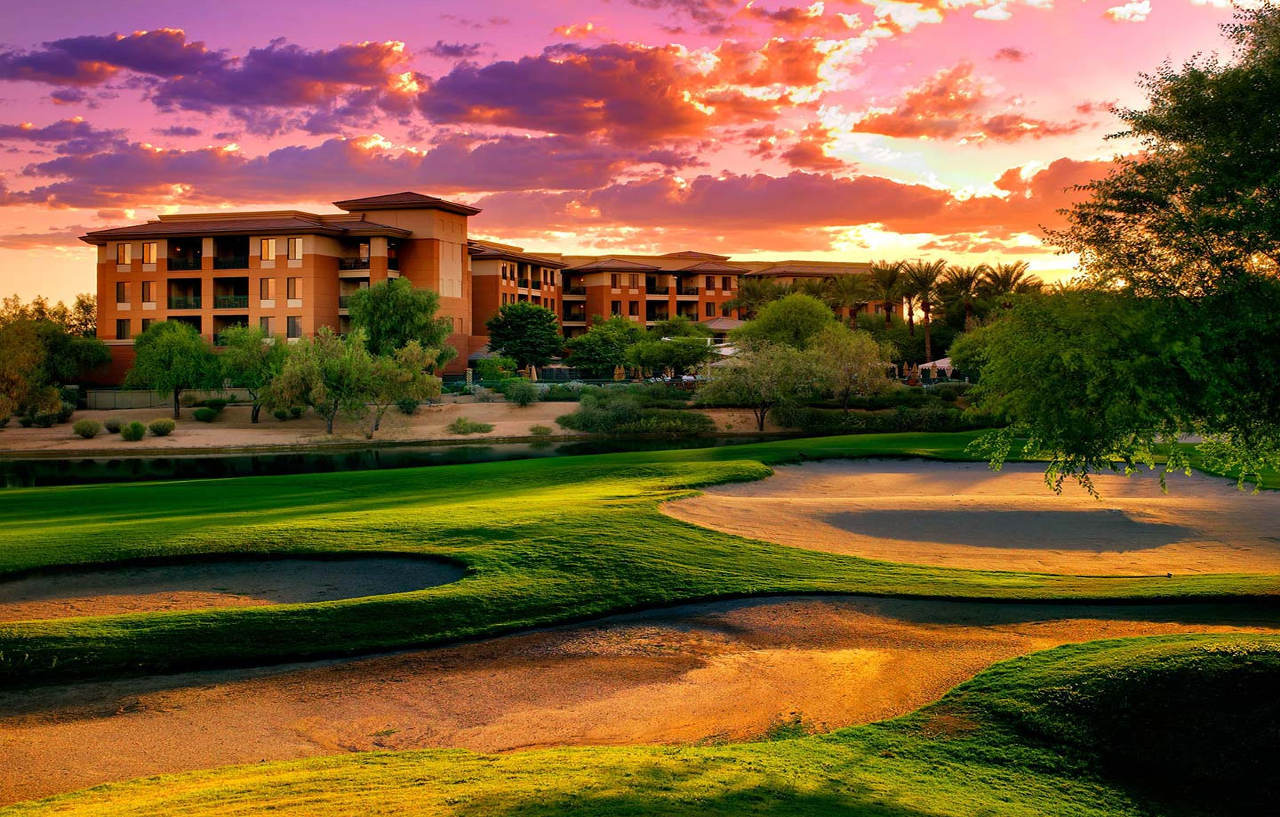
x: 394, y: 312
x: 161, y: 427
x: 922, y: 279
x: 961, y: 287
x: 205, y: 414
x: 87, y: 428
x: 79, y: 319
x: 525, y: 332
x: 603, y: 347
x: 113, y: 424
x: 753, y: 294
x: 887, y: 282
x: 331, y: 374
x: 36, y: 358
x: 218, y: 404
x: 522, y: 392
x: 678, y: 354
x: 623, y: 411
x: 850, y: 363
x: 280, y: 414
x: 762, y: 378
x: 400, y: 378
x: 678, y: 326
x: 172, y: 356
x: 251, y: 359
x: 540, y: 431
x: 930, y: 417
x: 791, y: 321
x: 461, y: 425
x: 134, y: 431
x: 408, y: 405
x: 909, y: 348
x: 495, y: 368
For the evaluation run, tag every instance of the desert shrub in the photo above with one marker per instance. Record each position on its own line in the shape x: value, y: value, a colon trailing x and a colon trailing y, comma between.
x: 464, y: 426
x: 948, y: 392
x: 87, y: 428
x: 407, y: 406
x: 26, y: 421
x: 563, y: 392
x: 205, y: 414
x: 215, y: 403
x: 540, y: 431
x: 4, y: 421
x: 280, y: 414
x: 66, y: 410
x: 296, y: 412
x: 45, y: 419
x: 162, y: 427
x: 522, y: 393
x: 113, y: 424
x: 133, y: 431
x: 622, y: 411
x: 930, y: 417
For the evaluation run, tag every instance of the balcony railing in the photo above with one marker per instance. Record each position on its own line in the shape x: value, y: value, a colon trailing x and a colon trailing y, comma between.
x: 184, y: 301
x: 353, y: 263
x: 685, y: 290
x: 575, y: 289
x: 184, y: 263
x: 535, y: 285
x: 654, y: 289
x: 230, y: 301
x: 344, y: 301
x: 231, y: 262
x: 523, y: 283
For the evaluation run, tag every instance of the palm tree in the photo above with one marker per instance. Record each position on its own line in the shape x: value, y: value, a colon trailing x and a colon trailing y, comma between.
x: 847, y: 294
x: 961, y: 286
x: 814, y: 287
x: 922, y: 276
x: 886, y: 285
x: 754, y: 293
x: 1003, y: 280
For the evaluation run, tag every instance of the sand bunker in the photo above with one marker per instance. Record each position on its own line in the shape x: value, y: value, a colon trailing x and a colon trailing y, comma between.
x: 196, y: 585
x: 965, y: 515
x: 722, y: 671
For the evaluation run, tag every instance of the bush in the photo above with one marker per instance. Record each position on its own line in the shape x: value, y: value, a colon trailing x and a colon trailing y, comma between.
x: 26, y: 420
x: 216, y: 403
x: 65, y: 411
x: 622, y: 411
x: 464, y: 426
x: 113, y: 424
x: 133, y: 431
x: 931, y: 417
x: 495, y: 368
x: 522, y: 393
x: 280, y: 414
x: 563, y: 392
x: 162, y: 427
x: 408, y: 405
x: 45, y: 419
x: 205, y: 414
x: 540, y: 431
x: 87, y: 428
x: 296, y: 412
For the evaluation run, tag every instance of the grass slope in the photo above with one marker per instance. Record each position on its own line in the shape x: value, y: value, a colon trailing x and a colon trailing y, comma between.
x: 543, y: 541
x: 1046, y: 734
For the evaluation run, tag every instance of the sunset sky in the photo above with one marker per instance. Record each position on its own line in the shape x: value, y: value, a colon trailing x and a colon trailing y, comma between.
x: 881, y: 128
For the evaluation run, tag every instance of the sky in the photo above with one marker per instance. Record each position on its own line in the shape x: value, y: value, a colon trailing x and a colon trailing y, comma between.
x: 844, y: 129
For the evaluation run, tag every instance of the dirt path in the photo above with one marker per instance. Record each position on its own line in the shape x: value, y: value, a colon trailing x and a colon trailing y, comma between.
x: 965, y: 515
x: 199, y: 585
x: 721, y: 671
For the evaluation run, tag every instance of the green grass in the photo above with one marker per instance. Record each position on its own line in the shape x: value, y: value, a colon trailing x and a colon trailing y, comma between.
x: 543, y: 541
x: 1071, y: 731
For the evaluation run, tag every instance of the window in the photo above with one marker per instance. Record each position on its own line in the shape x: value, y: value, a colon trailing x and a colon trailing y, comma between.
x: 295, y: 326
x: 613, y: 280
x: 265, y: 323
x: 295, y: 249
x: 292, y: 289
x: 724, y: 311
x: 710, y: 282
x: 149, y: 252
x: 633, y: 308
x: 364, y: 251
x: 146, y: 323
x: 268, y: 249
x: 633, y: 281
x: 267, y: 289
x: 122, y: 329
x: 122, y: 293
x: 726, y: 282
x: 148, y: 291
x: 124, y: 253
x: 615, y: 307
x: 709, y: 310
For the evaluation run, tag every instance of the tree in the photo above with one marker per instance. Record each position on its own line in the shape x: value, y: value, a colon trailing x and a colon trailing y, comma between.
x: 603, y: 347
x: 1001, y: 282
x: 923, y: 278
x: 251, y: 359
x: 21, y: 356
x: 762, y: 378
x: 402, y: 376
x: 792, y: 321
x: 753, y: 294
x: 850, y: 363
x: 334, y: 375
x: 170, y: 357
x: 526, y: 332
x: 848, y: 294
x: 81, y: 318
x: 959, y: 285
x: 678, y: 326
x: 886, y: 284
x: 677, y: 354
x: 394, y: 312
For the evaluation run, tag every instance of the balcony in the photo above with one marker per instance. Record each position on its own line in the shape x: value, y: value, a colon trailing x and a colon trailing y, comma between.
x: 184, y: 301
x: 344, y: 301
x: 393, y: 263
x: 687, y: 290
x: 523, y: 283
x: 231, y: 262
x: 654, y: 289
x: 230, y: 302
x: 355, y: 263
x: 575, y: 289
x: 535, y: 285
x: 183, y: 263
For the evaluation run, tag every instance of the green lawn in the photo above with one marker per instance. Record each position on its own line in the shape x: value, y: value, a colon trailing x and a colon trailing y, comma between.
x: 544, y: 541
x: 1118, y: 728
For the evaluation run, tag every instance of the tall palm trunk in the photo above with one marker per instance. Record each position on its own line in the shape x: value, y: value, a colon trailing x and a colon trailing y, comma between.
x: 928, y: 341
x: 911, y: 317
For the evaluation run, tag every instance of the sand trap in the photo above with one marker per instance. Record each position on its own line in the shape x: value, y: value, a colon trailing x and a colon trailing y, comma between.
x: 965, y: 515
x: 196, y: 585
x: 706, y: 672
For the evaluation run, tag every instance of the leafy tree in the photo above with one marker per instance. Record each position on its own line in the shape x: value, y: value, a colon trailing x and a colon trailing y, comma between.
x: 334, y: 375
x: 792, y: 321
x: 850, y: 363
x: 251, y: 359
x: 394, y: 312
x: 81, y: 318
x: 678, y: 326
x: 528, y: 333
x: 171, y: 356
x: 762, y: 378
x: 753, y: 294
x: 401, y: 377
x: 21, y: 356
x: 907, y: 347
x: 603, y: 347
x: 677, y: 354
x: 886, y: 284
x: 922, y: 278
x: 495, y: 368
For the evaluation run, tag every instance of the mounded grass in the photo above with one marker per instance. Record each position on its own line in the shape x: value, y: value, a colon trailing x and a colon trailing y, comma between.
x: 543, y: 541
x: 1072, y: 731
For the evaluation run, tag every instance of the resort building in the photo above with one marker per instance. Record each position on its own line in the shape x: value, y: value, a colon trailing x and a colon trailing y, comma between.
x: 292, y: 272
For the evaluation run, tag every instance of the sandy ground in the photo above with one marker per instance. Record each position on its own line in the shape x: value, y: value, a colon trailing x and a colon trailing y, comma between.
x: 215, y: 584
x: 965, y: 515
x: 708, y: 672
x: 233, y: 430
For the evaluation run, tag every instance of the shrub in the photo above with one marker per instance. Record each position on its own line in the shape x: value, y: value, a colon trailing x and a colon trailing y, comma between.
x: 495, y: 368
x: 205, y: 414
x: 133, y: 431
x: 113, y: 424
x: 216, y: 403
x: 162, y: 427
x: 621, y: 411
x: 188, y: 400
x: 87, y: 428
x: 930, y: 417
x: 26, y: 420
x: 563, y: 392
x: 540, y: 431
x: 45, y: 419
x: 65, y: 411
x: 464, y: 426
x: 407, y: 405
x: 522, y: 393
x: 280, y: 414
x: 296, y: 411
